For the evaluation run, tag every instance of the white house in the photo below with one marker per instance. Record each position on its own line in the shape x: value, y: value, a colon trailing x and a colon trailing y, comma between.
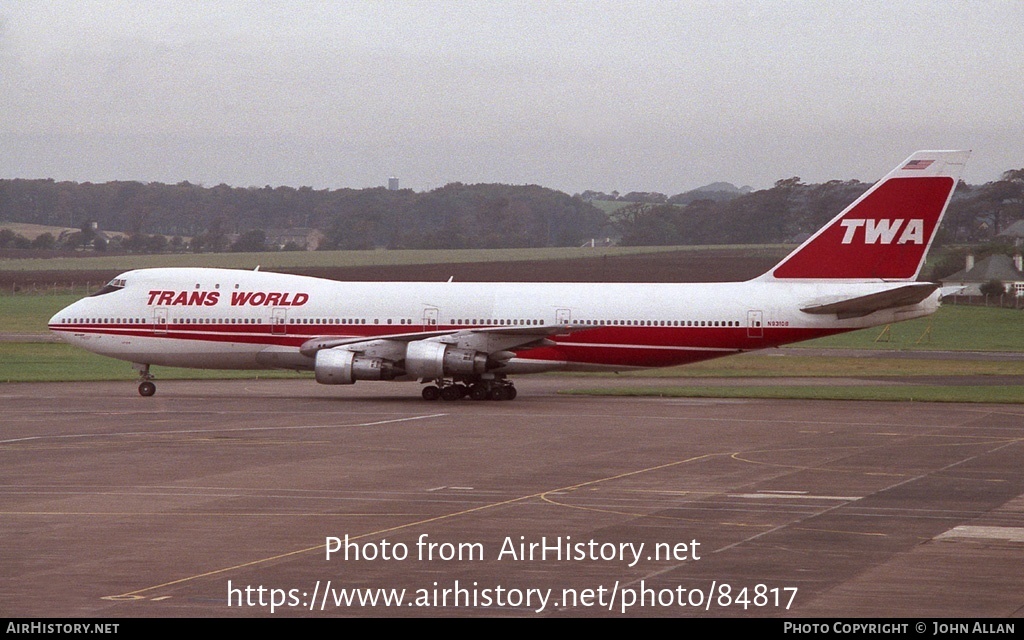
x: 1001, y: 268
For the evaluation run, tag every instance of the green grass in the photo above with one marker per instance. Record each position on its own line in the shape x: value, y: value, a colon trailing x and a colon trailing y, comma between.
x: 30, y: 313
x: 792, y: 365
x: 1012, y: 394
x: 31, y: 231
x: 58, y: 362
x: 610, y: 206
x: 23, y: 362
x: 953, y: 328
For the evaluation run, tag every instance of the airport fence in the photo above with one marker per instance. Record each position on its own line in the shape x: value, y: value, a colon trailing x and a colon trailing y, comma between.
x: 1005, y: 300
x: 51, y: 288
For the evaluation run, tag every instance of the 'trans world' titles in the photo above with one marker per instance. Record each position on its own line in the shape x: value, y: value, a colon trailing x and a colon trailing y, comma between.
x: 560, y: 548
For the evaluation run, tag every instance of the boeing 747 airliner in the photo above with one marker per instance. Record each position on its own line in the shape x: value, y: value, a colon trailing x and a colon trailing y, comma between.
x: 464, y: 339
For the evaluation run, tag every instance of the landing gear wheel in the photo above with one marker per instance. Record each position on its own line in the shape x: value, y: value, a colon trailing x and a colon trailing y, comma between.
x: 478, y: 392
x: 431, y: 393
x: 511, y: 391
x: 146, y: 386
x: 451, y: 392
x: 499, y: 393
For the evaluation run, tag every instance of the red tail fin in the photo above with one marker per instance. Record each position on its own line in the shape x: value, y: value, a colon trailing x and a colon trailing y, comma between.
x: 885, y: 234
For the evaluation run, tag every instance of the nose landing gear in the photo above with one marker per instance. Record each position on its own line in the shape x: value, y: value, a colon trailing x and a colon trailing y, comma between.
x: 147, y: 387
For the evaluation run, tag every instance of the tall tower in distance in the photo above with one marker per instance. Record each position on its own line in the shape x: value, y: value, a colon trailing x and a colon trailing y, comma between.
x: 392, y: 184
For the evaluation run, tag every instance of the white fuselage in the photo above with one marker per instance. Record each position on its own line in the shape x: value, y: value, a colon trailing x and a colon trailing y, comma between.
x: 232, y: 319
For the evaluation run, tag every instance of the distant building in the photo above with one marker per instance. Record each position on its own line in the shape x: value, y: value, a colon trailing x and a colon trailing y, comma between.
x: 93, y: 229
x: 304, y: 238
x: 392, y: 184
x: 1001, y: 268
x: 1016, y: 232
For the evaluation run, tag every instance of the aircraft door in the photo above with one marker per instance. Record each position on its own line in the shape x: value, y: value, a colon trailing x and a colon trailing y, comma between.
x: 160, y: 320
x: 279, y: 321
x: 430, y: 315
x: 563, y: 316
x: 755, y: 324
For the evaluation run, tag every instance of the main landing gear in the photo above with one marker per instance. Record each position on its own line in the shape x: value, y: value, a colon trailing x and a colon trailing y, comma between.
x: 496, y: 389
x: 147, y: 387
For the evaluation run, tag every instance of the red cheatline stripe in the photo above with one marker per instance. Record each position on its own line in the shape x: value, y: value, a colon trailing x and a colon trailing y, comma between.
x: 721, y: 340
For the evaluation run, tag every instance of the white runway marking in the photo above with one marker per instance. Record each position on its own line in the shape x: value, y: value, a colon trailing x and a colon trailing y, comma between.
x: 792, y: 495
x: 1012, y: 534
x: 214, y: 430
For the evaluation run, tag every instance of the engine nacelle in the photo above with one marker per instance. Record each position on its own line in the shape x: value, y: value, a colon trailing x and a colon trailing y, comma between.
x: 433, y: 360
x: 339, y: 366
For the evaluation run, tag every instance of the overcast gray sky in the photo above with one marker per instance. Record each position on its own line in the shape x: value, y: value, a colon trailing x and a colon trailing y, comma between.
x: 620, y: 95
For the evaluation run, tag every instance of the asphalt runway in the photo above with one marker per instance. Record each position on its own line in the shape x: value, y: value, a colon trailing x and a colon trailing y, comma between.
x: 219, y: 499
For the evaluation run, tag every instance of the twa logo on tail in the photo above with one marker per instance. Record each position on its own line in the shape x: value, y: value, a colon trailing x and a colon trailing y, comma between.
x: 884, y: 231
x: 885, y: 234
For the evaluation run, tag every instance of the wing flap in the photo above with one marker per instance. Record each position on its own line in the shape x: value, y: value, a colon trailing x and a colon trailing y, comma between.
x: 865, y: 305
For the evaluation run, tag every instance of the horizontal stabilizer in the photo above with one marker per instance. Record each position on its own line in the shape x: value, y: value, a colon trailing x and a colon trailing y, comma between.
x: 865, y: 305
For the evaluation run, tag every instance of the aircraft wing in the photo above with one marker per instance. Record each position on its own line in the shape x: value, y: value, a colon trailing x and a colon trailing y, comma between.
x: 864, y: 305
x: 485, y: 339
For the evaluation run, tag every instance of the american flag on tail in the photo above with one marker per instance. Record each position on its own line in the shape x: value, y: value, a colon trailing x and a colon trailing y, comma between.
x: 918, y: 164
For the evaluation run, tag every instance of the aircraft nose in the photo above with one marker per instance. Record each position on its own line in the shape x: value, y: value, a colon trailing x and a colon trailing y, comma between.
x: 60, y: 318
x: 56, y: 319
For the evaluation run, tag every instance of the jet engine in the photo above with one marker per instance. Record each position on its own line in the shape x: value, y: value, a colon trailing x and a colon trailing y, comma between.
x: 425, y: 359
x: 433, y: 360
x: 340, y: 366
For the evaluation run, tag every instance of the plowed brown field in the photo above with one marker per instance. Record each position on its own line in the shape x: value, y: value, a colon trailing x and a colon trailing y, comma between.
x: 711, y: 265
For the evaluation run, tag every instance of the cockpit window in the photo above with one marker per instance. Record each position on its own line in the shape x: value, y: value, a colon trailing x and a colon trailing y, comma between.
x: 114, y: 285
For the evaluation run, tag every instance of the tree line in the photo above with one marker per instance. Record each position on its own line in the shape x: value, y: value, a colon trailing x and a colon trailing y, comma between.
x: 791, y: 210
x: 454, y: 216
x: 159, y: 217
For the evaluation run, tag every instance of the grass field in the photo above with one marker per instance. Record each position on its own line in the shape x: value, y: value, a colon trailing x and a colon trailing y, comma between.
x: 38, y: 362
x: 30, y: 313
x: 610, y: 206
x: 31, y: 231
x: 951, y: 328
x: 58, y: 362
x: 54, y: 362
x: 774, y: 364
x: 1010, y: 394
